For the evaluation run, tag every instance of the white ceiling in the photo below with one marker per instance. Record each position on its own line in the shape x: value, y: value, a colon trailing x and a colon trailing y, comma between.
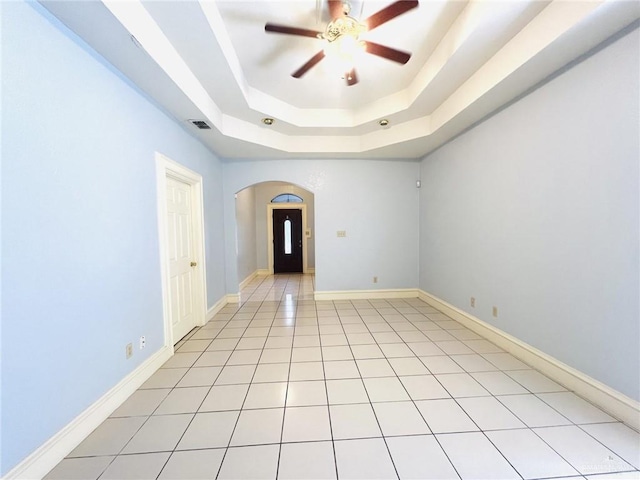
x: 213, y: 61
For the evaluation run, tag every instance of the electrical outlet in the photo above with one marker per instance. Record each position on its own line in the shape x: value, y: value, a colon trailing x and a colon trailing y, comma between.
x: 375, y: 279
x: 129, y: 350
x: 473, y: 302
x: 495, y: 311
x: 341, y: 233
x: 143, y: 342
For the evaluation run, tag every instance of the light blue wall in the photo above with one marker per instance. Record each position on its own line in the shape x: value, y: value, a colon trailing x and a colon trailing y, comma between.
x: 80, y: 260
x: 374, y: 201
x: 536, y: 211
x: 246, y: 232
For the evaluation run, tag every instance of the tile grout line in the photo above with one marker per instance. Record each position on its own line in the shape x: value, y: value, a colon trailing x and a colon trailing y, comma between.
x: 146, y: 421
x: 480, y: 430
x: 224, y: 456
x: 420, y: 412
x: 203, y: 398
x: 326, y: 391
x: 214, y: 382
x: 286, y: 394
x: 397, y: 306
x: 516, y: 416
x: 393, y: 463
x: 151, y: 414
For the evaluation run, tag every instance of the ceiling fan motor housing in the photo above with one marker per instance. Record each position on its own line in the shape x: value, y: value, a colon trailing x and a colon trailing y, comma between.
x: 343, y: 26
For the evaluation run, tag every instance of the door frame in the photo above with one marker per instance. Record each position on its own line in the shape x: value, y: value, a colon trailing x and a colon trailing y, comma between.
x: 286, y: 206
x: 167, y: 168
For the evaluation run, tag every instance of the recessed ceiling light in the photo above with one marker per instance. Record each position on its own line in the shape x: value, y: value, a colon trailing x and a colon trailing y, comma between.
x: 267, y: 121
x: 384, y: 122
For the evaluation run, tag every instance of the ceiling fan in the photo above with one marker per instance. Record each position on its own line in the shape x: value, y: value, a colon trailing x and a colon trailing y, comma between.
x: 342, y: 36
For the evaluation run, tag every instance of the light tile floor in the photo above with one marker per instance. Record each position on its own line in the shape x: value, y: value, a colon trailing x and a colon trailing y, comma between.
x: 284, y: 387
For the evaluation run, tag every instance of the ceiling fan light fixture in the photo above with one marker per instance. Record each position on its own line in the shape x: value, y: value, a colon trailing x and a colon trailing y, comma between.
x: 342, y: 43
x: 344, y: 53
x: 344, y: 46
x: 343, y: 26
x: 342, y: 37
x: 268, y: 121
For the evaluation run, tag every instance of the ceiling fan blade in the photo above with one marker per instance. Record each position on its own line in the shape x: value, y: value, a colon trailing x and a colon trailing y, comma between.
x: 351, y: 77
x: 303, y: 32
x: 390, y: 12
x: 307, y: 66
x: 387, y: 52
x: 335, y: 8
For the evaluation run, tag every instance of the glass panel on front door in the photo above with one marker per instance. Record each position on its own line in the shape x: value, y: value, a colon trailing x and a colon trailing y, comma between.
x: 287, y: 237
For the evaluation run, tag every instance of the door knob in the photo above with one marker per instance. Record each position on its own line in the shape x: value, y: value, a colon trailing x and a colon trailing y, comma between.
x: 193, y: 264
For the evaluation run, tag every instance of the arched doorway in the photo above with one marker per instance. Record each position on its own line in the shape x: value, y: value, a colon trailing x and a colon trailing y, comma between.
x: 255, y: 206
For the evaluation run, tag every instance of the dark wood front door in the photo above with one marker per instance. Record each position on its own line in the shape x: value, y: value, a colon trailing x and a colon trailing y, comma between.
x: 287, y: 241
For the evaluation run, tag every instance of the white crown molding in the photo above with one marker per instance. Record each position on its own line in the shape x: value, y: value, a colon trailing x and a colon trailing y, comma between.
x: 545, y: 31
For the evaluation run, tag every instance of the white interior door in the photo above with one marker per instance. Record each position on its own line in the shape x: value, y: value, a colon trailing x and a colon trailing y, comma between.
x: 182, y: 263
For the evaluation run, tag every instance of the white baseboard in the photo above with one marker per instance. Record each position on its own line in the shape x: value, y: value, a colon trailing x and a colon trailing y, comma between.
x: 49, y: 454
x: 613, y: 402
x: 219, y: 305
x: 247, y: 280
x: 311, y: 270
x: 366, y: 294
x: 258, y: 273
x: 233, y: 298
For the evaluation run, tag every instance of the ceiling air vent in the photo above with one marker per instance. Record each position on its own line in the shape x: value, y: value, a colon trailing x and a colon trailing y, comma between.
x: 201, y: 124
